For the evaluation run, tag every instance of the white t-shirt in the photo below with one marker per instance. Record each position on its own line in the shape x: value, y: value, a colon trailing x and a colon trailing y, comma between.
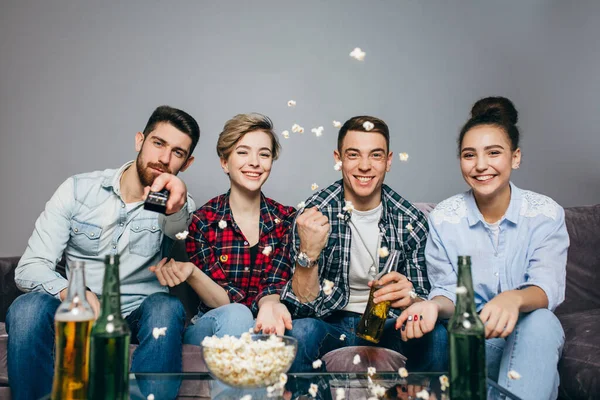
x: 362, y: 269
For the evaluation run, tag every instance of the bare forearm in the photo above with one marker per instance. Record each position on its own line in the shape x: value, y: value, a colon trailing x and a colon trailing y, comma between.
x: 272, y: 298
x: 531, y: 298
x: 445, y: 306
x: 209, y: 291
x: 305, y: 283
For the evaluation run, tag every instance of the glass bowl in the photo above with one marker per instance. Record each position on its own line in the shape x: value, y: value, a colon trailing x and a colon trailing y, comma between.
x: 252, y: 361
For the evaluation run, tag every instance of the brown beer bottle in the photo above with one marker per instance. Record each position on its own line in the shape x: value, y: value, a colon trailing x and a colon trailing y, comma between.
x: 73, y: 322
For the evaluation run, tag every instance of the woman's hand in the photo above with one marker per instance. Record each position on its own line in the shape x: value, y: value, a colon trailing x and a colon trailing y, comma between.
x: 273, y: 318
x: 500, y: 315
x: 417, y: 320
x: 172, y: 273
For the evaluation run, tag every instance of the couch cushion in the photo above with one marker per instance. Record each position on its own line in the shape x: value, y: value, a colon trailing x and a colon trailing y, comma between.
x: 579, y: 366
x: 8, y: 288
x: 384, y: 360
x: 583, y: 263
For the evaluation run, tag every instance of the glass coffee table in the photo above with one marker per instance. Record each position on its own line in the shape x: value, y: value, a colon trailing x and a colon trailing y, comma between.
x: 355, y: 387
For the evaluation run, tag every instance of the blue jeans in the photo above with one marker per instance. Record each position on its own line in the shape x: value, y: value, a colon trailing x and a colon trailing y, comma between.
x: 231, y: 319
x: 30, y: 324
x: 533, y: 350
x: 316, y: 337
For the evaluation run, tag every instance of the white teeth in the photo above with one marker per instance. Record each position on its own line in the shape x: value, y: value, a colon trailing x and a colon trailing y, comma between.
x: 252, y: 174
x: 484, y: 177
x: 364, y: 178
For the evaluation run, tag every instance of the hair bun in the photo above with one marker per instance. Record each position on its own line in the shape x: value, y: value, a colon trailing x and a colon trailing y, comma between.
x: 500, y: 107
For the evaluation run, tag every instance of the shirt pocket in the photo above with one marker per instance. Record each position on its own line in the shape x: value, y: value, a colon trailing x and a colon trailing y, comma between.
x: 85, y: 237
x: 144, y: 237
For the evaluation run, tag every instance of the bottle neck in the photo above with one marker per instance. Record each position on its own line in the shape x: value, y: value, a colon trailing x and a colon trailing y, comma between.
x: 111, y: 292
x: 465, y: 300
x: 76, y: 287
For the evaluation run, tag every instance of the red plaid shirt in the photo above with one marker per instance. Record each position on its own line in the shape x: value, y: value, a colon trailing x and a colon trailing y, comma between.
x: 224, y: 253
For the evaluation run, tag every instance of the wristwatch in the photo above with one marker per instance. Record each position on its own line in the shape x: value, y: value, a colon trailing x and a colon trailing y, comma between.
x: 304, y: 261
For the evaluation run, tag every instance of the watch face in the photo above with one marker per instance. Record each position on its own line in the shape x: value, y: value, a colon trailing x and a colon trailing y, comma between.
x: 302, y: 260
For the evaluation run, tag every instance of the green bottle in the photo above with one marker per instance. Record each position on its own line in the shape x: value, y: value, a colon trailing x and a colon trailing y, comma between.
x: 467, y: 341
x: 109, y: 348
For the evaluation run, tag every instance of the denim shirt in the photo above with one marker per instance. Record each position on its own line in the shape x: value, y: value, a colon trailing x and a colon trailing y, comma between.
x: 531, y: 249
x: 87, y: 219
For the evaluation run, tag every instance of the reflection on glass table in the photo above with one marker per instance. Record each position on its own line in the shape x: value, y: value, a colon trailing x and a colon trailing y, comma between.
x: 298, y: 386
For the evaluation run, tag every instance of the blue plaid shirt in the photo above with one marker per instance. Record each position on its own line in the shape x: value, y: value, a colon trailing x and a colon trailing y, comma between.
x: 404, y: 228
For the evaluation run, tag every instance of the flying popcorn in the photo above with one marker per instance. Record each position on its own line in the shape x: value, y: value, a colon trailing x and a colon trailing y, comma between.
x: 356, y: 360
x: 327, y: 287
x: 246, y: 397
x: 317, y: 364
x: 222, y: 224
x: 110, y: 327
x: 348, y: 206
x: 181, y: 235
x: 267, y: 250
x: 297, y: 128
x: 514, y: 375
x: 340, y: 394
x: 423, y: 394
x: 301, y: 205
x: 368, y: 125
x: 292, y: 103
x: 358, y: 54
x: 342, y: 337
x: 466, y: 315
x: 412, y: 294
x: 383, y: 252
x: 466, y: 324
x: 378, y: 391
x: 371, y: 371
x: 338, y: 166
x: 277, y: 220
x: 283, y: 379
x: 403, y: 157
x: 403, y: 372
x: 461, y: 290
x: 313, y: 390
x: 285, y: 134
x: 337, y: 124
x: 317, y: 131
x: 409, y: 227
x: 301, y: 130
x: 150, y: 397
x: 444, y: 382
x: 314, y: 186
x: 157, y: 332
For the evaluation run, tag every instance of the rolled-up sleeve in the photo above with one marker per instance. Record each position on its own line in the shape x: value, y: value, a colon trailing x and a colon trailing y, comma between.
x: 547, y: 266
x: 440, y: 271
x: 36, y: 271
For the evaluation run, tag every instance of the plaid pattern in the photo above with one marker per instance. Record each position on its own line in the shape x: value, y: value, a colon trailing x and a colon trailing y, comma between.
x: 334, y: 261
x: 224, y: 254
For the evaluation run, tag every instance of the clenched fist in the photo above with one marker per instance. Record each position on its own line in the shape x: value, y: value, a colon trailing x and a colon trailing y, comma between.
x: 313, y: 229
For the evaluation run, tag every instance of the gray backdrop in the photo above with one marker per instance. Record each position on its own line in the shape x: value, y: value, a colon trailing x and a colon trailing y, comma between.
x: 78, y: 79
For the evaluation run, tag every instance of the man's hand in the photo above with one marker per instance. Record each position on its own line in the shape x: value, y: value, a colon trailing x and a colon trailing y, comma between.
x: 175, y: 186
x: 313, y: 229
x: 500, y: 315
x: 273, y: 318
x: 396, y: 288
x: 423, y: 315
x: 172, y: 273
x: 91, y: 298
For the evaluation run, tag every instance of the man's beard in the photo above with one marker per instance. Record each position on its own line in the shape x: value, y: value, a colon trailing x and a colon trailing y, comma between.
x: 146, y: 175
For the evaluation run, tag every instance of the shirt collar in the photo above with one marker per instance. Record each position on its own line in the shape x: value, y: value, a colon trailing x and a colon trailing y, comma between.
x: 114, y: 180
x: 269, y: 214
x: 512, y: 213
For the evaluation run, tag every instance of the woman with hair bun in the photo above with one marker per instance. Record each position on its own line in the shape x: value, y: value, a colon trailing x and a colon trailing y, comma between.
x: 517, y: 240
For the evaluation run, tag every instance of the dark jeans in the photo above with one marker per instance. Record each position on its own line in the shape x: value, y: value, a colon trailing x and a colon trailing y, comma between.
x: 30, y: 324
x: 316, y: 337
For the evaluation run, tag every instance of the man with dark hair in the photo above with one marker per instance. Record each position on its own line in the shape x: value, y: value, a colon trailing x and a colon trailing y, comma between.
x: 341, y: 238
x: 95, y: 214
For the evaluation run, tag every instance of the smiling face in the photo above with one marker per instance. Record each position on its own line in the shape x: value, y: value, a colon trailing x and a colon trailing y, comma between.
x: 365, y: 161
x: 165, y: 149
x: 249, y: 164
x: 486, y: 161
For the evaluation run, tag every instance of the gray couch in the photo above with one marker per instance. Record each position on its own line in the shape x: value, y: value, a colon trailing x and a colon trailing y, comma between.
x: 580, y: 316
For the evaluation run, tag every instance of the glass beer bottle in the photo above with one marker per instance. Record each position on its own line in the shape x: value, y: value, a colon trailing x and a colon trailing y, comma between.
x: 370, y: 327
x: 109, y: 355
x: 467, y: 341
x: 72, y: 322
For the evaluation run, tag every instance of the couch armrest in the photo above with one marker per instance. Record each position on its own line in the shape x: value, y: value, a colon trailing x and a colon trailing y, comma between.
x: 8, y: 288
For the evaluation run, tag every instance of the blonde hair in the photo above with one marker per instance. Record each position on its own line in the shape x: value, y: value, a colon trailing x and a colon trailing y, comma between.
x: 241, y: 124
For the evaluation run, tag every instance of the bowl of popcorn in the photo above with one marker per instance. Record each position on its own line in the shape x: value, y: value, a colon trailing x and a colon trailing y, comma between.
x: 250, y: 361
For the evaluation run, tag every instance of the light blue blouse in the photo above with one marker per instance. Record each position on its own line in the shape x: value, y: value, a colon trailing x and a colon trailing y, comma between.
x: 531, y: 249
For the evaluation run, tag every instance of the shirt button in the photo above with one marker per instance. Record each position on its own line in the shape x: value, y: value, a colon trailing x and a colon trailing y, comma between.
x: 76, y: 230
x: 245, y: 243
x: 121, y: 224
x: 137, y: 227
x: 49, y: 287
x: 114, y: 247
x: 246, y: 269
x: 92, y: 234
x: 122, y: 205
x: 496, y: 274
x: 153, y: 228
